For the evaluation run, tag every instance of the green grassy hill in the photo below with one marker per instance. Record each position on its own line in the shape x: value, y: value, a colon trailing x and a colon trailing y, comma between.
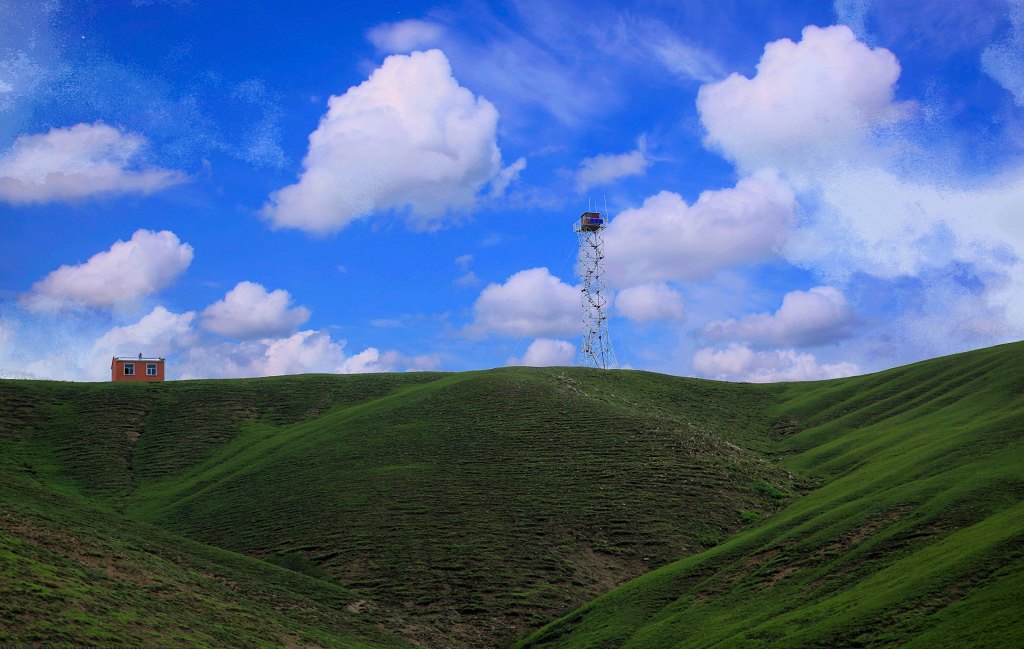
x: 471, y: 509
x: 914, y: 539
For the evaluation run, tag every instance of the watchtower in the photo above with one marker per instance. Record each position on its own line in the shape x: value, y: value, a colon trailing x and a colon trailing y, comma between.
x: 596, y: 348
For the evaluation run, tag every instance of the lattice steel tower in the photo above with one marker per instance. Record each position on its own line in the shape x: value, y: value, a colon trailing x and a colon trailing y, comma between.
x: 596, y: 348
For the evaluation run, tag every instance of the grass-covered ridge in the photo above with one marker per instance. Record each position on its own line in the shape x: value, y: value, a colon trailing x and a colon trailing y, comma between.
x: 915, y: 538
x: 471, y: 509
x: 474, y: 507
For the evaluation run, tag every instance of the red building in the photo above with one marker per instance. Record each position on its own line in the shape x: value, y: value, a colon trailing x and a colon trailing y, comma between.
x: 130, y: 368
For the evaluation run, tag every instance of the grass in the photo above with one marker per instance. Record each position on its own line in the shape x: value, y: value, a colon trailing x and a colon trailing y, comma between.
x: 477, y: 508
x: 74, y: 574
x: 915, y: 537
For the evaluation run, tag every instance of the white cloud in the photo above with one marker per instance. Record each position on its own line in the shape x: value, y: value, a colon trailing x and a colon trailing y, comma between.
x: 813, y: 317
x: 880, y: 203
x: 409, y: 136
x: 740, y: 363
x: 159, y: 333
x: 650, y: 302
x: 303, y: 352
x: 405, y: 35
x: 80, y: 347
x: 372, y: 360
x: 66, y: 164
x: 506, y: 176
x: 250, y: 311
x: 667, y: 239
x: 531, y: 302
x: 130, y: 270
x: 871, y: 220
x: 811, y: 103
x: 546, y: 352
x: 606, y: 168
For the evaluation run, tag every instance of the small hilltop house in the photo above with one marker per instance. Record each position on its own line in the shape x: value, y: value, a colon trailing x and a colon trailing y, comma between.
x: 131, y: 368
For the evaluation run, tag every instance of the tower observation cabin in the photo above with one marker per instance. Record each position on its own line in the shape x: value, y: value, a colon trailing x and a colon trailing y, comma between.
x: 591, y: 222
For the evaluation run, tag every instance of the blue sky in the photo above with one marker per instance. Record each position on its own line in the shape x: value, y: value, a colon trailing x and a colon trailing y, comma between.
x: 797, y: 190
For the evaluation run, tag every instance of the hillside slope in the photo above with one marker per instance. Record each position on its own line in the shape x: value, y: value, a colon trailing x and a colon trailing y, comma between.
x: 472, y: 509
x: 74, y: 574
x: 914, y: 539
x: 464, y: 509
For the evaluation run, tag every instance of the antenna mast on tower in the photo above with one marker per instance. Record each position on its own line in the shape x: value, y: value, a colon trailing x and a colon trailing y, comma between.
x: 596, y: 348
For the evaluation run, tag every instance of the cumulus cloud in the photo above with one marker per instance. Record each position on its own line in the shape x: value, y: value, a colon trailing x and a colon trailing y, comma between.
x: 75, y: 162
x: 877, y: 202
x: 129, y: 270
x: 813, y: 317
x: 667, y: 239
x: 871, y: 220
x: 606, y: 168
x: 650, y: 302
x: 372, y: 360
x: 405, y: 35
x: 250, y: 311
x: 303, y: 352
x: 300, y: 353
x: 80, y: 348
x: 530, y: 302
x: 740, y: 363
x: 158, y: 332
x: 408, y: 137
x: 810, y: 103
x: 546, y: 352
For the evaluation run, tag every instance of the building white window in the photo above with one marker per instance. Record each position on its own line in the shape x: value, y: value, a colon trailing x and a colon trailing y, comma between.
x: 129, y: 369
x: 150, y: 369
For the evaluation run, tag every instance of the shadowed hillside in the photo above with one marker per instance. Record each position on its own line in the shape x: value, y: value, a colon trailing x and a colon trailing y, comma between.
x: 477, y: 506
x: 471, y: 509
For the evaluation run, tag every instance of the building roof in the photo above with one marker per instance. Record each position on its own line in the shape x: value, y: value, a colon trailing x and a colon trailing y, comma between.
x: 138, y: 359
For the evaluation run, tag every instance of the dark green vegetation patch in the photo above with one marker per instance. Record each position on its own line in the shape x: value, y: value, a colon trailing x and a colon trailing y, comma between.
x: 471, y: 509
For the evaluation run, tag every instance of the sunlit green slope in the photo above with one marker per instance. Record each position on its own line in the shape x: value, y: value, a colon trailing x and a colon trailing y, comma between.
x: 915, y: 537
